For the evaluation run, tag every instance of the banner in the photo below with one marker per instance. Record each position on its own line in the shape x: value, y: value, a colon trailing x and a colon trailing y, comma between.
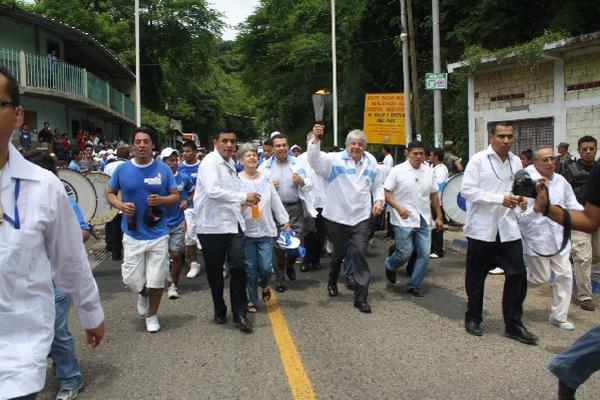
x: 384, y: 118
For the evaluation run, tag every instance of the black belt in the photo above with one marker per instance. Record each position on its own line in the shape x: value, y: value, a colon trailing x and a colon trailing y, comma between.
x: 292, y: 204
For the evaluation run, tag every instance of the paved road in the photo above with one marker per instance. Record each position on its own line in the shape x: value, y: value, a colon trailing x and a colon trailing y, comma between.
x: 408, y: 348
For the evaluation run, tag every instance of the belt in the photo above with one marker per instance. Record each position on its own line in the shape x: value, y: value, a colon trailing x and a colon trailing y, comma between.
x: 292, y: 204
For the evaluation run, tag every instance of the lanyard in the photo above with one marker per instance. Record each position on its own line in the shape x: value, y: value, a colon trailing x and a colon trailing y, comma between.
x: 17, y: 221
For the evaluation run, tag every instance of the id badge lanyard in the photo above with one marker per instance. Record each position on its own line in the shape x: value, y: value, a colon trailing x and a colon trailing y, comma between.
x: 16, y: 221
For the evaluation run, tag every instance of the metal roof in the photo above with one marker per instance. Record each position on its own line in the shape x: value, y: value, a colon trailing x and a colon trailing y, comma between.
x: 551, y: 50
x: 84, y: 50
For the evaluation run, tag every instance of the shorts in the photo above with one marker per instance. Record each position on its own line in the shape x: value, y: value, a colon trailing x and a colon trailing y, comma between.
x: 190, y: 227
x: 145, y: 263
x: 176, y: 237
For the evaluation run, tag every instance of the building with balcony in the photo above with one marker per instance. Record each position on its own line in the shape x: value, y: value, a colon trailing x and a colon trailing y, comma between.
x: 67, y: 78
x: 557, y: 101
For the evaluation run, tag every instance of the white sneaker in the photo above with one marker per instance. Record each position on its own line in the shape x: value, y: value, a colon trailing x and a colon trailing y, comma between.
x: 152, y: 324
x: 496, y: 271
x: 434, y: 256
x: 172, y: 292
x: 194, y: 270
x: 143, y: 305
x: 566, y: 325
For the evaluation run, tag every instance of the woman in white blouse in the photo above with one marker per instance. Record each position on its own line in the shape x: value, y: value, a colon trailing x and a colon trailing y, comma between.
x: 260, y: 224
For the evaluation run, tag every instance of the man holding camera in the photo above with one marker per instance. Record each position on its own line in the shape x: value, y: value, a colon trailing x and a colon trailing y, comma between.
x: 147, y: 187
x: 542, y: 236
x: 493, y: 233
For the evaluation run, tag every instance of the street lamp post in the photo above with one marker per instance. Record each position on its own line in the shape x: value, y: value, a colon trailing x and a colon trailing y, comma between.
x: 138, y: 96
x: 334, y: 68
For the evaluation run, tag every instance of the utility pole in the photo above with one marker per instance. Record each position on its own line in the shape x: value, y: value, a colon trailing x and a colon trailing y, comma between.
x: 334, y: 68
x: 416, y: 97
x: 138, y: 96
x: 405, y: 73
x: 437, y: 93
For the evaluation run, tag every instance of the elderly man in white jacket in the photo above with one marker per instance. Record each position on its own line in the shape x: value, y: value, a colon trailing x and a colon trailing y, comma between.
x: 40, y: 242
x: 543, y: 236
x: 354, y: 194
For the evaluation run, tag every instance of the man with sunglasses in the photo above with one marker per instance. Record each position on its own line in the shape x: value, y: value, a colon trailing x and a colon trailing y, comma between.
x: 492, y: 232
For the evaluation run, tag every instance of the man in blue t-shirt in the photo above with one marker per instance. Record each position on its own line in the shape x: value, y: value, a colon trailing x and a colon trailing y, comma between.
x: 175, y: 218
x: 189, y: 166
x: 147, y: 187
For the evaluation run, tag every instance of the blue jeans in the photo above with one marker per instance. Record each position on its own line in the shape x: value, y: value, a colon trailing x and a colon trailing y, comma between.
x: 408, y: 240
x: 62, y: 351
x: 347, y: 265
x: 575, y: 365
x: 259, y: 260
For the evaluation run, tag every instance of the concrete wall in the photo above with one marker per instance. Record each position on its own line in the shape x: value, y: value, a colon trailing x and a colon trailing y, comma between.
x: 16, y: 36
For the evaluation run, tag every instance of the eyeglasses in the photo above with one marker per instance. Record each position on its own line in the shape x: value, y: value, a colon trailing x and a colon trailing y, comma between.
x: 6, y: 104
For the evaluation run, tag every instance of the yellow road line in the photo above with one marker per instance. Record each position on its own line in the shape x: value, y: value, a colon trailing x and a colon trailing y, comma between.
x: 300, y: 385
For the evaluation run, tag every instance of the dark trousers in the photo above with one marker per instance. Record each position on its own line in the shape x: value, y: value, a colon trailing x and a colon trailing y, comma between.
x: 357, y: 236
x: 437, y: 242
x: 114, y: 235
x: 481, y: 258
x: 215, y: 248
x: 283, y: 259
x: 315, y: 239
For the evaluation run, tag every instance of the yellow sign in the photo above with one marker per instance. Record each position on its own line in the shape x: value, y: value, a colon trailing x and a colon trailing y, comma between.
x: 384, y: 118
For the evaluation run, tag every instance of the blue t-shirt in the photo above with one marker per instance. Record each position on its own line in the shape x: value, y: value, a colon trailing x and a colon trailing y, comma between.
x: 74, y: 165
x: 82, y: 224
x: 174, y: 214
x: 190, y: 170
x: 135, y: 184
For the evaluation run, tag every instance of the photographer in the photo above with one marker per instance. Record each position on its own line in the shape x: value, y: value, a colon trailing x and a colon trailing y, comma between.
x: 575, y: 365
x: 492, y: 232
x: 541, y: 235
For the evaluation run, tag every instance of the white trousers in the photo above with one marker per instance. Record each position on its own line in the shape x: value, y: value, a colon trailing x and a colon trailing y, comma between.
x: 586, y: 248
x: 538, y: 272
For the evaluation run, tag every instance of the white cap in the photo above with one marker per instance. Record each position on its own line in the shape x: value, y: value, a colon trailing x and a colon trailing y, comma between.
x: 275, y: 133
x: 102, y: 152
x: 167, y: 152
x: 295, y: 147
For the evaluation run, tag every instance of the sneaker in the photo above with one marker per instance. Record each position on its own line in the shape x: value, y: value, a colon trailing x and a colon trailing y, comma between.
x: 172, y: 292
x: 69, y: 394
x: 566, y: 325
x: 143, y: 305
x: 496, y: 271
x: 152, y: 324
x: 433, y: 256
x: 194, y: 270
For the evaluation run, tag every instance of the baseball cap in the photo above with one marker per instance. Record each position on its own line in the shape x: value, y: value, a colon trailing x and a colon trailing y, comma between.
x: 167, y: 152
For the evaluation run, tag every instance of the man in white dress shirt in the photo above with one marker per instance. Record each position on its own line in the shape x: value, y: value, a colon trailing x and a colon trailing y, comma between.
x: 220, y: 226
x: 440, y: 172
x: 541, y: 235
x: 41, y: 243
x: 354, y: 194
x: 410, y: 190
x: 492, y: 232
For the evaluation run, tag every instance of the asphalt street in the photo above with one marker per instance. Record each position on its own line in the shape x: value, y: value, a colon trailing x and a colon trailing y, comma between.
x: 408, y: 348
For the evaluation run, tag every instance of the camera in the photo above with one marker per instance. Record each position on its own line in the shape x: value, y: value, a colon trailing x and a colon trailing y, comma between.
x: 523, y: 185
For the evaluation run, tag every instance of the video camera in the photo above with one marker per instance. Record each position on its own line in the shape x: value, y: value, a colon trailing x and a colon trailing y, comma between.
x: 523, y: 185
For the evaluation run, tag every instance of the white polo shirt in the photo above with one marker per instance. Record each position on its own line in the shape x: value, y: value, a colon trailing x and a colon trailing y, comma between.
x: 412, y: 189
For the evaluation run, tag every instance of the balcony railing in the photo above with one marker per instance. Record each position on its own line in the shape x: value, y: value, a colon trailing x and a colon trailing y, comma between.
x: 35, y: 71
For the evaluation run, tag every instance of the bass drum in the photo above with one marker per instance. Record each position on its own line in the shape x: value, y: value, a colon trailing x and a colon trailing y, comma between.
x: 78, y: 187
x: 104, y: 211
x: 455, y: 206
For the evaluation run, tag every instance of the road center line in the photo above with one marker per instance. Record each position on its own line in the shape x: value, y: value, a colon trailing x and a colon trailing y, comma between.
x: 298, y: 380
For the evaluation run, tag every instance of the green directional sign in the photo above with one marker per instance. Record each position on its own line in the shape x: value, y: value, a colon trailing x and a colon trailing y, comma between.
x: 436, y: 81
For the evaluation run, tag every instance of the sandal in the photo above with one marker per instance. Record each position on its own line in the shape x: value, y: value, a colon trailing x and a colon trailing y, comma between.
x: 266, y: 295
x: 251, y: 308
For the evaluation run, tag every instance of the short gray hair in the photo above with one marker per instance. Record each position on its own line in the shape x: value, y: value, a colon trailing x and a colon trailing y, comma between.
x: 356, y: 134
x: 245, y: 148
x: 542, y: 147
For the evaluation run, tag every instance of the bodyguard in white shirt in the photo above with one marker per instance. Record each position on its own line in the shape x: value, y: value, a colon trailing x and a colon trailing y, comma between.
x: 354, y: 194
x: 220, y: 226
x: 440, y: 173
x: 410, y: 190
x: 492, y: 232
x: 40, y: 242
x: 544, y: 236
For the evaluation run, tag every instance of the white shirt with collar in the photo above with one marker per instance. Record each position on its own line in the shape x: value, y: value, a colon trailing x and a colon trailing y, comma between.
x: 319, y: 189
x: 48, y: 247
x: 440, y: 172
x: 350, y: 185
x: 218, y: 197
x: 389, y: 161
x: 485, y: 182
x: 412, y: 189
x: 543, y: 234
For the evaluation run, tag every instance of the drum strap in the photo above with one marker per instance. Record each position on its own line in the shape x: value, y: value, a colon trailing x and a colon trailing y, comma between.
x: 566, y: 223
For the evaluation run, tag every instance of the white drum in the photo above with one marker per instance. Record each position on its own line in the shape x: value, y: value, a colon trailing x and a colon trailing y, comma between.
x: 104, y: 211
x: 81, y: 189
x: 455, y: 206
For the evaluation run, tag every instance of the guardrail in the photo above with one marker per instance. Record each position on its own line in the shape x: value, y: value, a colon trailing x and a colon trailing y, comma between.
x: 32, y: 70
